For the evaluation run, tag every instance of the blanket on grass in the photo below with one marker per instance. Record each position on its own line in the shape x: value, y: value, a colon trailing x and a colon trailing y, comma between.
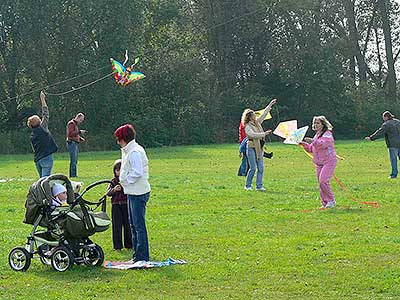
x: 125, y: 265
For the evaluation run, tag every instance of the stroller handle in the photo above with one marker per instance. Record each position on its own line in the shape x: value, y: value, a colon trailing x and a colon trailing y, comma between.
x: 101, y: 200
x: 90, y: 186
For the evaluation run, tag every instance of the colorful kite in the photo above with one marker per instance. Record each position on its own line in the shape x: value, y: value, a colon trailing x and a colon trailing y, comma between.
x: 289, y: 131
x: 285, y: 128
x: 124, y: 76
x: 296, y: 136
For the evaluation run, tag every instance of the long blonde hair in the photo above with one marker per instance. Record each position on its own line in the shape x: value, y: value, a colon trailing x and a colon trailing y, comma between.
x: 247, y: 114
x: 324, y: 121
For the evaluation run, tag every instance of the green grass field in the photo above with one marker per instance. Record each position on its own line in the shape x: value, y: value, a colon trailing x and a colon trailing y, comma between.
x: 238, y: 245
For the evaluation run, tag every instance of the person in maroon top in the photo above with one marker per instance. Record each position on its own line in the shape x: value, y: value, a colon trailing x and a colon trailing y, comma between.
x: 73, y: 139
x: 119, y: 211
x: 242, y: 132
x: 243, y: 168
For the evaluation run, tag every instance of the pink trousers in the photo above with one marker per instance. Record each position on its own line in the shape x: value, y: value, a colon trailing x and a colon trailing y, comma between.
x: 324, y: 174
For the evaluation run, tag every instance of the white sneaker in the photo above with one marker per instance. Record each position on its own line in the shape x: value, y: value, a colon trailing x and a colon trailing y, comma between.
x: 261, y: 189
x: 247, y: 188
x: 331, y: 204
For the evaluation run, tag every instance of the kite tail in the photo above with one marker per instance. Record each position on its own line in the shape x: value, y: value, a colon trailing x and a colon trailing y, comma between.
x: 373, y: 204
x: 126, y: 57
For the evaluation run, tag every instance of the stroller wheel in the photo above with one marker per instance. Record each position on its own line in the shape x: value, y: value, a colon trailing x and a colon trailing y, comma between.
x: 62, y: 259
x: 19, y: 259
x: 93, y: 256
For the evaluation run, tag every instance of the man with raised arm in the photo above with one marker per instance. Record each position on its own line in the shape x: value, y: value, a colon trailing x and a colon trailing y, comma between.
x: 42, y: 141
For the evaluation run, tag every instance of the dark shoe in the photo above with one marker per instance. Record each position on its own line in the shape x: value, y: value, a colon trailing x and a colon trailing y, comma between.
x: 268, y: 154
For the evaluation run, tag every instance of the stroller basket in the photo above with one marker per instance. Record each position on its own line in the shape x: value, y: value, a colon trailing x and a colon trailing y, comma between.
x: 77, y: 224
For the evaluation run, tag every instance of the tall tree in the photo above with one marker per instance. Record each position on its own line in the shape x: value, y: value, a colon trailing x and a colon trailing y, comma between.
x: 391, y: 73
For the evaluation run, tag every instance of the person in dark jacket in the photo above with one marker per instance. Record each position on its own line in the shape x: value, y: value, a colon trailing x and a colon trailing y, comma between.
x: 119, y: 211
x: 390, y: 129
x: 42, y: 141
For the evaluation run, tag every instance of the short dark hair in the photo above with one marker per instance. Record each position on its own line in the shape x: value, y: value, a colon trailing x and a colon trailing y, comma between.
x: 125, y: 132
x: 117, y: 165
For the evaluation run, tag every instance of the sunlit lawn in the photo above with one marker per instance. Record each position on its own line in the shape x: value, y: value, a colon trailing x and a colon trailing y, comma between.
x: 238, y: 245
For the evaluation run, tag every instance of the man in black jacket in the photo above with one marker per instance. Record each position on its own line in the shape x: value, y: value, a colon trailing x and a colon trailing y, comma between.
x: 391, y: 130
x: 42, y: 141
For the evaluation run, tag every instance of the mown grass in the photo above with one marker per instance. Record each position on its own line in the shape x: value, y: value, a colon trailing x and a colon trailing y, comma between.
x: 238, y: 245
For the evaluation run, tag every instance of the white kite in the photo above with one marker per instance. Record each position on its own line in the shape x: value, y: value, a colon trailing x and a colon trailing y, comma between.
x: 289, y: 131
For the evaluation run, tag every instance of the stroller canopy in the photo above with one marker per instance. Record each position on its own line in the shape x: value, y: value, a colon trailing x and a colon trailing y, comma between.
x: 40, y: 196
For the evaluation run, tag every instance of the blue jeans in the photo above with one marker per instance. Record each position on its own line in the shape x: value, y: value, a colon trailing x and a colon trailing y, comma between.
x: 44, y: 165
x: 73, y: 149
x: 137, y: 220
x: 393, y: 155
x: 254, y: 163
x: 243, y: 166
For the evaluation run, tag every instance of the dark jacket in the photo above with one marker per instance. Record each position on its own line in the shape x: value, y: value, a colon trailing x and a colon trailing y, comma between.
x: 391, y: 130
x: 43, y: 143
x: 116, y: 197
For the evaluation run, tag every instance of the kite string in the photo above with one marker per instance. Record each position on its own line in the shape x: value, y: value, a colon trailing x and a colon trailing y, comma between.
x: 374, y: 203
x: 341, y: 185
x: 57, y: 83
x: 81, y: 87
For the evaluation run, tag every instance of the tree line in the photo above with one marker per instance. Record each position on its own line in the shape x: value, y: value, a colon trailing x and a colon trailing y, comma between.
x: 205, y: 61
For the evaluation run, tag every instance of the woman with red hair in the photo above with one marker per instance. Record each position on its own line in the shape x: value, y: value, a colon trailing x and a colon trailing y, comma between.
x: 134, y: 178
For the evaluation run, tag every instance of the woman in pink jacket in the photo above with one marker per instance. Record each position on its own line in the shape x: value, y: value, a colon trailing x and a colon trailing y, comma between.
x: 324, y: 157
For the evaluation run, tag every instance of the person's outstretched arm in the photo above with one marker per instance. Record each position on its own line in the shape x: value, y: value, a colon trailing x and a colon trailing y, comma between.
x: 261, y: 118
x: 381, y: 131
x: 45, y: 112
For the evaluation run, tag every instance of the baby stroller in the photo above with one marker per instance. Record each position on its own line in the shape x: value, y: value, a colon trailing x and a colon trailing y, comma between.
x: 60, y: 234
